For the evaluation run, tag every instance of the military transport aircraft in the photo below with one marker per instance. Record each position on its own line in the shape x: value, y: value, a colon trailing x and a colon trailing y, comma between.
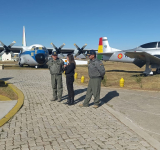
x: 146, y: 54
x: 37, y: 55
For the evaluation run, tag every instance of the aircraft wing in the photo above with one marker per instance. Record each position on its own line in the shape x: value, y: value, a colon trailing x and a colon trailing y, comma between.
x: 143, y: 56
x: 105, y: 53
x: 14, y: 49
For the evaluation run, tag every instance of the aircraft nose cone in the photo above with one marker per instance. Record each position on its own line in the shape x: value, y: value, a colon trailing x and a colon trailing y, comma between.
x: 40, y: 58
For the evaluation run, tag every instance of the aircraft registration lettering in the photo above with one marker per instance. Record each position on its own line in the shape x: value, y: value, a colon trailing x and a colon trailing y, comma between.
x: 120, y: 56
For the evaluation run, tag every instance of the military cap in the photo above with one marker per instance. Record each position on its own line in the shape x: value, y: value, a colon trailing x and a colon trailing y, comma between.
x: 54, y: 53
x: 91, y: 52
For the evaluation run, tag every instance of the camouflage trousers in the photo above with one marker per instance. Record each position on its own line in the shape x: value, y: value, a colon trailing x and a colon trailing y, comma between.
x: 57, y: 85
x: 94, y: 88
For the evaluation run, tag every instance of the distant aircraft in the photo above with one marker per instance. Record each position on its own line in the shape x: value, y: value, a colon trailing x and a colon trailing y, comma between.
x: 146, y: 54
x: 37, y: 55
x: 34, y: 55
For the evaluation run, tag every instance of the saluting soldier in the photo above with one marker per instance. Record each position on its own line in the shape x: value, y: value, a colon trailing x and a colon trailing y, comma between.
x: 56, y: 67
x: 96, y: 73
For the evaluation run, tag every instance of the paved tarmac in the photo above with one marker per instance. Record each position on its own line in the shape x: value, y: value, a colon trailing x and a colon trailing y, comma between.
x: 142, y: 108
x: 44, y: 125
x: 5, y: 107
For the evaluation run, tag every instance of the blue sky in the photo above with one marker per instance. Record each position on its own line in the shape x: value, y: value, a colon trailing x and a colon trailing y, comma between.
x: 126, y: 23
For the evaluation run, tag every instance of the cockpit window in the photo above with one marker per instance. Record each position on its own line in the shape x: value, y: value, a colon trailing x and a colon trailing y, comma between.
x: 149, y: 45
x: 40, y: 48
x: 44, y: 48
x: 33, y: 48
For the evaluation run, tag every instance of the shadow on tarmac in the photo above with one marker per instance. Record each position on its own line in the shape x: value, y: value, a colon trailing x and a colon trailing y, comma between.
x: 109, y: 96
x: 76, y: 92
x: 124, y: 71
x: 2, y: 83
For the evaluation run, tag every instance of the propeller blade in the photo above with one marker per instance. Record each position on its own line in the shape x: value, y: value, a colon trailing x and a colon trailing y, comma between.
x: 2, y: 53
x: 12, y: 44
x: 61, y: 54
x: 84, y: 54
x: 76, y: 46
x: 76, y: 54
x: 12, y: 54
x: 84, y: 46
x: 2, y: 44
x: 54, y: 46
x: 62, y: 45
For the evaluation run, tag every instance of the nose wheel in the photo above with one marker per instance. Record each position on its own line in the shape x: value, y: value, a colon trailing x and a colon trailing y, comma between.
x: 20, y: 64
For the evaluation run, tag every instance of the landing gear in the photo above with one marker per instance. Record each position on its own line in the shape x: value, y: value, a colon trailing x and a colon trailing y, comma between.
x: 20, y: 64
x: 36, y: 67
x: 148, y: 71
x: 158, y: 70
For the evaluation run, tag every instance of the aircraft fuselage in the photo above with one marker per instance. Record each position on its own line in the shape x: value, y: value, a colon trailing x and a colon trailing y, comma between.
x: 35, y: 55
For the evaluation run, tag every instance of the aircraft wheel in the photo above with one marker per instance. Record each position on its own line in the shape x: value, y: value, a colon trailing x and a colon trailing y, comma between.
x: 158, y: 70
x: 20, y: 64
x: 36, y: 67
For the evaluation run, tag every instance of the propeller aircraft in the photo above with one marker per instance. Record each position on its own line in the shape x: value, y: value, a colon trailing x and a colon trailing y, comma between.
x: 147, y: 54
x: 37, y: 54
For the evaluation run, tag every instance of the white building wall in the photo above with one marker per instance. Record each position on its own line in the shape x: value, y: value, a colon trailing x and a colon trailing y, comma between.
x: 6, y: 57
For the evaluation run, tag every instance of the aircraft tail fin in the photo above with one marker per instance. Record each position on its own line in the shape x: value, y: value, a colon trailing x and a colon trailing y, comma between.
x: 24, y: 37
x: 103, y: 47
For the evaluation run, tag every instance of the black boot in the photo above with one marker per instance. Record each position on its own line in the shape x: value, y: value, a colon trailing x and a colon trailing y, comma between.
x: 72, y: 101
x: 68, y: 101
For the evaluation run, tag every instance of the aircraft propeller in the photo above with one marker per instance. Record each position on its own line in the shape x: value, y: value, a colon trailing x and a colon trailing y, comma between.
x: 80, y: 50
x: 58, y: 49
x: 6, y: 49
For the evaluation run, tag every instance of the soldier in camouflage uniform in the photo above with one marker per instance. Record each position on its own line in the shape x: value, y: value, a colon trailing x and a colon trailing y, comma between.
x: 96, y: 73
x: 56, y: 67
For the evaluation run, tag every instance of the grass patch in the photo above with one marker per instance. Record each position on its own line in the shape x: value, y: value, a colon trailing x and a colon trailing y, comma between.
x: 114, y: 72
x: 139, y: 80
x: 131, y: 74
x: 9, y: 62
x: 5, y: 90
